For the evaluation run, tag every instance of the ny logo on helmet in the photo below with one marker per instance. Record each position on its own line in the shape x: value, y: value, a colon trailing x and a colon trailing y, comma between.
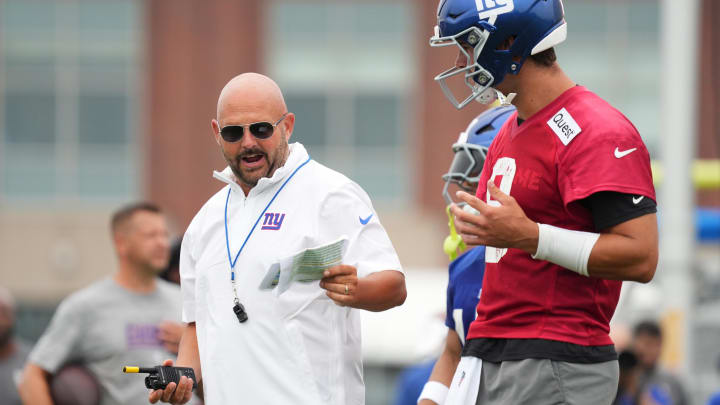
x: 488, y: 8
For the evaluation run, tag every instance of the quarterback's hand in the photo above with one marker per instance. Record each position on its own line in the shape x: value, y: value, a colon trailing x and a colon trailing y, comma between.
x: 505, y: 226
x: 170, y: 394
x: 341, y: 283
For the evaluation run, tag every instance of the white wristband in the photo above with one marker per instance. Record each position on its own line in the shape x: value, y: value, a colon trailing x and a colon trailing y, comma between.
x: 566, y: 248
x: 434, y: 391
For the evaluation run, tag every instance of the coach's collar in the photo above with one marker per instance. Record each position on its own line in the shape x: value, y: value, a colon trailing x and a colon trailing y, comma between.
x: 297, y: 156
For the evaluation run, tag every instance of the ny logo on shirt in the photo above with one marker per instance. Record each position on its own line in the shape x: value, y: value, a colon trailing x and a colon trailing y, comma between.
x: 273, y: 221
x: 141, y: 335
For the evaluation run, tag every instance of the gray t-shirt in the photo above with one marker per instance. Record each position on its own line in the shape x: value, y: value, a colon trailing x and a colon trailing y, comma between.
x: 10, y: 369
x: 106, y: 327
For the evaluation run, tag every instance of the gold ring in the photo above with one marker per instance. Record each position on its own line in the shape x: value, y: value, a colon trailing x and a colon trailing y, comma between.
x: 346, y: 290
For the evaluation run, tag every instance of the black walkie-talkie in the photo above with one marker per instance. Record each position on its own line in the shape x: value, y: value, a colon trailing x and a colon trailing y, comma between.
x: 161, y: 376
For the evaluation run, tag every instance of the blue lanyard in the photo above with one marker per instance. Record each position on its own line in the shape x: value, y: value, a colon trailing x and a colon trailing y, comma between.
x: 227, y: 238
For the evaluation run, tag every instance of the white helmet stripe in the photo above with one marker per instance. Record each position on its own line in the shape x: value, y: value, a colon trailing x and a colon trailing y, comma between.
x: 557, y: 36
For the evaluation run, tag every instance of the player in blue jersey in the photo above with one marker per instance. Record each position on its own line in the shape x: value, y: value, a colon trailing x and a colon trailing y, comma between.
x: 465, y: 272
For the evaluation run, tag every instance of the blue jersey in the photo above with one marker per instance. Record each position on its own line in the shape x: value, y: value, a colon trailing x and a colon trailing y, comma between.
x: 410, y: 383
x: 463, y: 291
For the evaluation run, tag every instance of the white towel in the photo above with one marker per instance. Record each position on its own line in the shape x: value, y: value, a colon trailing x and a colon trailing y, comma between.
x: 466, y: 382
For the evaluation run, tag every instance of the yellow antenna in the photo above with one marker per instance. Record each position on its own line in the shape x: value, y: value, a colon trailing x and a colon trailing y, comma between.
x: 132, y: 369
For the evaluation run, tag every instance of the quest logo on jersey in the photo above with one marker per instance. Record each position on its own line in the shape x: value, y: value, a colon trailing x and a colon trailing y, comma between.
x: 489, y: 8
x: 564, y: 126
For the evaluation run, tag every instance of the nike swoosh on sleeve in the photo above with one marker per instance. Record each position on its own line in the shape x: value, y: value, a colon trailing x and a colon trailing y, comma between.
x: 619, y: 154
x: 366, y: 220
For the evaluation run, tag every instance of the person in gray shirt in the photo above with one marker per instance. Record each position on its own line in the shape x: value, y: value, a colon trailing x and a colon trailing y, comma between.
x: 655, y: 384
x: 131, y: 318
x: 13, y: 352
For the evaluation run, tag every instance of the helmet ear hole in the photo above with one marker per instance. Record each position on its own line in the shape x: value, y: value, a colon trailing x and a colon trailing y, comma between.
x: 485, y: 128
x: 507, y: 43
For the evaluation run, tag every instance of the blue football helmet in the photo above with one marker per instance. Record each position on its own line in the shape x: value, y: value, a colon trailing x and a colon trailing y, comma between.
x: 471, y: 149
x: 484, y: 25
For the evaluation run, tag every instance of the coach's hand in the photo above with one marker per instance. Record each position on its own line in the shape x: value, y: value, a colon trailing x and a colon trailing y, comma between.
x: 170, y: 394
x: 505, y: 226
x: 341, y: 283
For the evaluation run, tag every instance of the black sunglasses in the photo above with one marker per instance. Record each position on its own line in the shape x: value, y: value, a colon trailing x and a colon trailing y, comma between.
x: 260, y: 130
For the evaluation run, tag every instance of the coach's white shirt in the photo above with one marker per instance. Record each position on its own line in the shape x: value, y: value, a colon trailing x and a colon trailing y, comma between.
x: 299, y: 347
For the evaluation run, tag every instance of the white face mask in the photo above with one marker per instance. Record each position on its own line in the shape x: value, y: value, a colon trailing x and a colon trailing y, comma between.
x: 480, y: 89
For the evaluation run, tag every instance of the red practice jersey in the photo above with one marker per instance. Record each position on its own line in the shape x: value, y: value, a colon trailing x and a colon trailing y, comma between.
x: 574, y: 147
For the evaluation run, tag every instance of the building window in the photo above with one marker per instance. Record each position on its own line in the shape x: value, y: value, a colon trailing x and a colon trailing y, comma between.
x: 69, y: 100
x: 347, y: 70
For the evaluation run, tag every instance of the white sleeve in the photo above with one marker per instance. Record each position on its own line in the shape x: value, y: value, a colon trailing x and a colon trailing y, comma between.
x: 348, y: 211
x: 187, y: 278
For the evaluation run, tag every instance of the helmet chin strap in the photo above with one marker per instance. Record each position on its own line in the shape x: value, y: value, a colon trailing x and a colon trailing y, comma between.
x: 495, y: 98
x: 488, y: 96
x: 509, y: 99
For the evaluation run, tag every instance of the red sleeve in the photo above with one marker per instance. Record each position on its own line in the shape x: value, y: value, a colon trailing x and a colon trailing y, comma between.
x: 613, y: 158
